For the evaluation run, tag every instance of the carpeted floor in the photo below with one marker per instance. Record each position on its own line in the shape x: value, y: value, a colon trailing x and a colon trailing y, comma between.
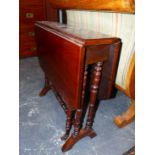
x: 42, y: 120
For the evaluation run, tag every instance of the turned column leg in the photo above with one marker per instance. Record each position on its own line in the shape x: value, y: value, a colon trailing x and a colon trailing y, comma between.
x: 68, y: 124
x: 77, y: 135
x: 77, y: 124
x: 46, y: 87
x: 87, y: 131
x: 94, y: 90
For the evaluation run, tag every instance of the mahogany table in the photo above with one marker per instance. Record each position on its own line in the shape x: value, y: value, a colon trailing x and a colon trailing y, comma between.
x: 72, y: 60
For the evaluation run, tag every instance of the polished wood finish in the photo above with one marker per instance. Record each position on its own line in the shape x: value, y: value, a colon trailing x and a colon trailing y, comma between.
x: 66, y: 60
x: 69, y: 123
x: 51, y: 14
x: 108, y: 5
x: 93, y: 93
x: 132, y: 85
x: 46, y: 87
x: 68, y: 83
x: 84, y: 85
x: 107, y: 85
x: 65, y: 54
x: 29, y: 13
x: 73, y: 140
x: 77, y: 123
x: 62, y: 103
x: 127, y: 117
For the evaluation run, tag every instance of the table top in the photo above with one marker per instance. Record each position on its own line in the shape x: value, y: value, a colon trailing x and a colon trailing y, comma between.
x: 64, y: 51
x: 82, y: 36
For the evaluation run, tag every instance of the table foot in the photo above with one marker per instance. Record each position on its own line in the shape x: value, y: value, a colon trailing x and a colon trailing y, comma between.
x: 73, y: 140
x: 44, y: 91
x: 69, y: 123
x: 46, y: 88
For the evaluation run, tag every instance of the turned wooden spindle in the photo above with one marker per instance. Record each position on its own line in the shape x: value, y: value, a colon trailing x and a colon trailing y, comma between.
x: 79, y: 132
x: 77, y: 124
x: 46, y: 87
x: 94, y: 89
x: 69, y: 122
x: 61, y: 102
x: 84, y: 85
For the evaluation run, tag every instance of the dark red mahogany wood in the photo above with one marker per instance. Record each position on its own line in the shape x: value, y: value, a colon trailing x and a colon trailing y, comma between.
x: 65, y: 54
x: 31, y: 11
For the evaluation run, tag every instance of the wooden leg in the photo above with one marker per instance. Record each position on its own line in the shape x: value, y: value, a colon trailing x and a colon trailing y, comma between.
x: 77, y: 123
x: 62, y: 103
x: 46, y: 87
x: 79, y: 111
x: 87, y: 131
x: 93, y: 95
x: 127, y: 117
x: 69, y: 122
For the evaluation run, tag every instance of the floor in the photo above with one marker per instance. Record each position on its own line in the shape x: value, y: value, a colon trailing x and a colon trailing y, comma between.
x: 42, y: 120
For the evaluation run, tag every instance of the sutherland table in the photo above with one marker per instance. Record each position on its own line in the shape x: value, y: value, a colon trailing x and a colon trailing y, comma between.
x: 72, y: 60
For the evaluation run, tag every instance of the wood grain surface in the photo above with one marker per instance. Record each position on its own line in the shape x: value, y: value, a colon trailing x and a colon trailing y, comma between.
x: 109, y: 5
